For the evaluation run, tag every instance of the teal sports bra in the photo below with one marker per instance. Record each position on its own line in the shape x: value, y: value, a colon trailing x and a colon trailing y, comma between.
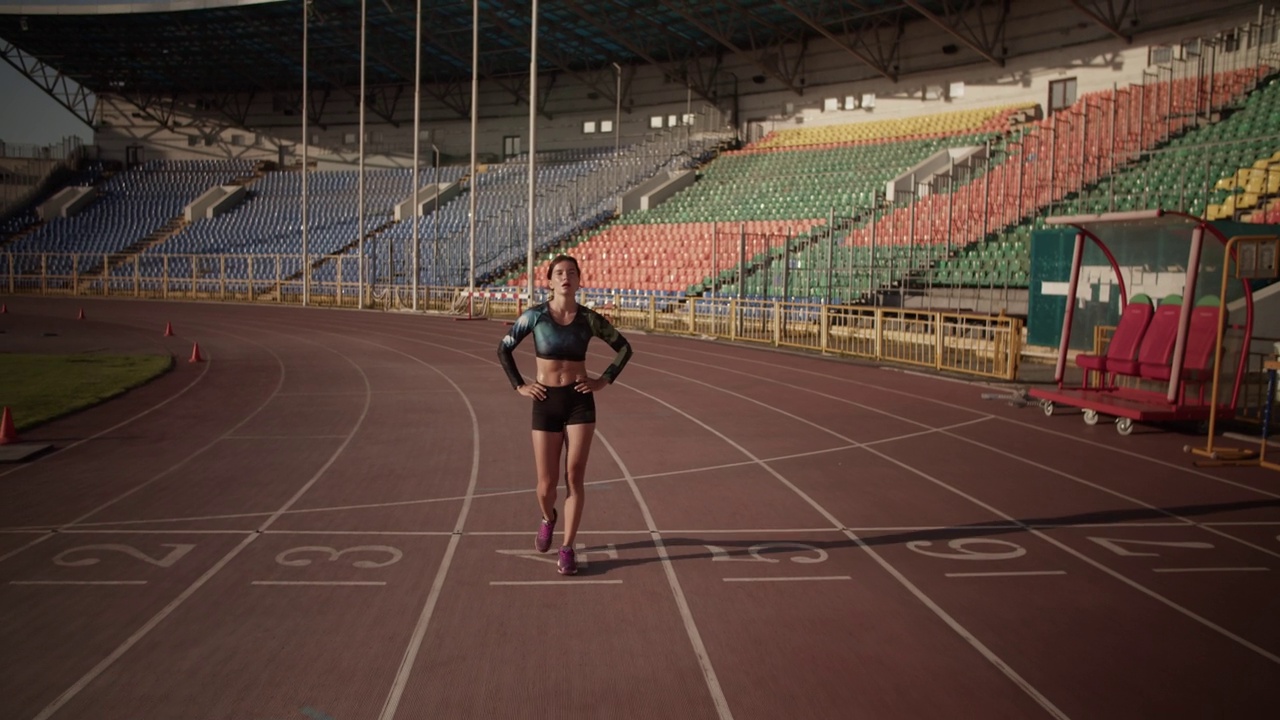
x: 553, y: 341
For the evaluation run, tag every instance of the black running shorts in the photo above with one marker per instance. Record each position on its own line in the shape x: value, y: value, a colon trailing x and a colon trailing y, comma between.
x: 563, y: 406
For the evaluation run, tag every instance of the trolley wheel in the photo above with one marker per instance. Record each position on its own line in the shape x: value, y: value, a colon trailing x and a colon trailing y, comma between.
x: 1047, y: 406
x: 1090, y: 417
x: 1124, y: 425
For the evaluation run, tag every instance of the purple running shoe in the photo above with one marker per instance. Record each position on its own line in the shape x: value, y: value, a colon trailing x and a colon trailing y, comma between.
x: 545, y: 530
x: 568, y: 564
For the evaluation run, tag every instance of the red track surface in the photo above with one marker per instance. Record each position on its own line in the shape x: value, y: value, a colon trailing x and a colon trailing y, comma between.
x: 333, y: 517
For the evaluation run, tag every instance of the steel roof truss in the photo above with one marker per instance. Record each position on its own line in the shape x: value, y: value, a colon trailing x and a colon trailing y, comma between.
x: 979, y: 24
x: 65, y: 91
x: 873, y: 38
x: 721, y: 31
x: 1113, y: 18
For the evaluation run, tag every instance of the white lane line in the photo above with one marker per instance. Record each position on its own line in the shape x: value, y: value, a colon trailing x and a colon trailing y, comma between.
x: 1038, y: 533
x: 686, y: 615
x: 1040, y: 428
x: 477, y: 495
x: 911, y: 587
x: 788, y: 579
x: 284, y: 437
x: 420, y: 629
x: 396, y: 691
x: 1115, y: 493
x: 1242, y: 523
x: 314, y: 583
x: 1210, y: 569
x: 455, y: 498
x: 142, y: 531
x: 172, y: 468
x: 141, y: 632
x: 43, y: 458
x: 554, y: 583
x: 740, y: 531
x: 406, y: 533
x: 500, y: 533
x: 77, y: 582
x: 1028, y: 573
x: 173, y: 605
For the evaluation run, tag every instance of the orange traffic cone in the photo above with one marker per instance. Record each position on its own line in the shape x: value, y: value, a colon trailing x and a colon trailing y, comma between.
x: 81, y: 315
x: 8, y: 434
x: 195, y: 353
x: 168, y: 329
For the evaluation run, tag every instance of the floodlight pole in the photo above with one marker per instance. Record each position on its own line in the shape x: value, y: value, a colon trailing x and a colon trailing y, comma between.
x: 435, y: 218
x: 306, y: 263
x: 360, y: 177
x: 475, y: 181
x: 417, y: 142
x: 533, y: 128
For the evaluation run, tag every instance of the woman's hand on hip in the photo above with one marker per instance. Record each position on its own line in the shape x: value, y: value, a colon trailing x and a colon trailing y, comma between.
x: 533, y: 390
x: 588, y: 385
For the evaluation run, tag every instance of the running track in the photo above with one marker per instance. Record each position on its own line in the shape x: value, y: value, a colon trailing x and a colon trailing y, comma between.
x: 332, y: 518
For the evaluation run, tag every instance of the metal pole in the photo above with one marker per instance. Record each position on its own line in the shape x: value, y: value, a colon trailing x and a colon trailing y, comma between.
x: 911, y: 236
x: 1053, y: 159
x: 475, y: 181
x: 951, y: 205
x: 786, y: 265
x: 853, y: 250
x: 1142, y: 114
x: 435, y: 218
x: 306, y: 263
x: 617, y: 110
x: 742, y: 258
x: 1213, y: 64
x: 1084, y: 144
x: 986, y: 199
x: 715, y: 258
x: 871, y: 261
x: 1111, y: 172
x: 533, y: 130
x: 831, y: 245
x: 360, y: 176
x: 417, y: 142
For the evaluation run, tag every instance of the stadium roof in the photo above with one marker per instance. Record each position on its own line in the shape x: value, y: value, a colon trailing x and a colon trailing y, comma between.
x: 220, y: 48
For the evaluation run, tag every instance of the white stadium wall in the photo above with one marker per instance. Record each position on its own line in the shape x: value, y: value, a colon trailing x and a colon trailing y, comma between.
x: 1086, y: 52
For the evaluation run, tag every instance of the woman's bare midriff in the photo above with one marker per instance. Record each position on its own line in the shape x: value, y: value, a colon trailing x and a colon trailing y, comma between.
x: 558, y: 373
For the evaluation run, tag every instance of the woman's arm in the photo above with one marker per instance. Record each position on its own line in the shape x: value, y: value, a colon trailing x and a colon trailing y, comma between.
x: 519, y: 329
x: 605, y: 330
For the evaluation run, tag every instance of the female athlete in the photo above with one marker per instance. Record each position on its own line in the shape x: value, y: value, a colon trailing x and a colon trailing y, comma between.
x: 564, y: 406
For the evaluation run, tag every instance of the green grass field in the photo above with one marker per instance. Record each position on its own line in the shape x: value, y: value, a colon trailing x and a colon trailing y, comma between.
x: 39, y: 388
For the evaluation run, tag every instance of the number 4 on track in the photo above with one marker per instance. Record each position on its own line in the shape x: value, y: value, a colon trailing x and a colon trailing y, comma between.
x: 1115, y: 545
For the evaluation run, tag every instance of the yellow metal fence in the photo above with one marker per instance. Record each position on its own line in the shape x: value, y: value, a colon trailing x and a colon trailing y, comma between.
x: 976, y: 345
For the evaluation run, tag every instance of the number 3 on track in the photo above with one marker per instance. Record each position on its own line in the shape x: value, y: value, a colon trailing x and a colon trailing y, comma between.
x: 963, y: 548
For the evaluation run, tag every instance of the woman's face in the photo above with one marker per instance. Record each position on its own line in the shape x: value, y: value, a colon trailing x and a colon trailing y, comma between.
x: 565, y: 279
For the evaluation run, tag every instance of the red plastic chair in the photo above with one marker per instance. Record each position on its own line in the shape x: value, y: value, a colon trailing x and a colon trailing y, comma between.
x: 1124, y: 341
x: 1157, y: 342
x: 1197, y: 357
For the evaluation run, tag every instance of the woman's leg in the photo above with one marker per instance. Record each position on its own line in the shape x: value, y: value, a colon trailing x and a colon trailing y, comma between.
x: 579, y: 435
x: 546, y: 457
